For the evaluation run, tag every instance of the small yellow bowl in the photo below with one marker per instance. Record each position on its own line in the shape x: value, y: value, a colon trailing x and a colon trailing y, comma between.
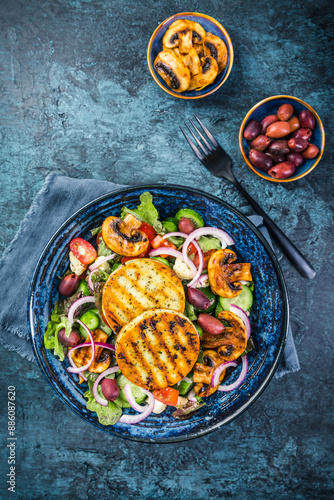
x: 209, y: 24
x: 270, y: 106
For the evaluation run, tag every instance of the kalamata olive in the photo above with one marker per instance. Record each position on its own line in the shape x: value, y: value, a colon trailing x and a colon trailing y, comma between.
x: 186, y: 225
x: 260, y: 160
x: 282, y: 170
x: 278, y: 129
x: 210, y: 324
x: 276, y: 158
x: 294, y: 123
x: 311, y: 152
x: 71, y: 341
x: 268, y: 120
x: 297, y: 145
x: 69, y: 285
x: 252, y: 130
x: 198, y: 299
x: 296, y: 158
x: 261, y: 142
x: 110, y: 389
x: 306, y: 119
x: 303, y: 133
x: 284, y: 112
x: 279, y: 147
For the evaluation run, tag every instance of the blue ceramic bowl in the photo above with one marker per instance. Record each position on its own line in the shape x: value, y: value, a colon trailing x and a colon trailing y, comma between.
x: 209, y: 24
x: 269, y: 317
x: 270, y: 106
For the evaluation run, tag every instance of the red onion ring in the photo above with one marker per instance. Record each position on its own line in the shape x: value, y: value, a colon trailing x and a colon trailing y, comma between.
x: 240, y: 379
x: 135, y: 419
x: 173, y: 253
x: 221, y: 235
x: 191, y: 396
x: 175, y: 233
x: 200, y: 265
x: 131, y: 399
x: 98, y: 344
x: 76, y: 304
x: 243, y: 316
x: 216, y: 374
x: 100, y: 260
x: 80, y: 369
x: 203, y: 280
x: 90, y: 281
x: 98, y: 399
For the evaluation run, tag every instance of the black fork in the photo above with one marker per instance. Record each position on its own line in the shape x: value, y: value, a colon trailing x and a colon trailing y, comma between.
x: 218, y: 162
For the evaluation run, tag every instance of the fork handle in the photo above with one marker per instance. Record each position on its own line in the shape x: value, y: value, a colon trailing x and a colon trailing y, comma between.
x: 293, y: 254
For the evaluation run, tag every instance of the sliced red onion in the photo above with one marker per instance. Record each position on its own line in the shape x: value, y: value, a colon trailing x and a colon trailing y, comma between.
x: 191, y: 396
x: 98, y: 399
x: 244, y: 282
x: 240, y: 379
x: 135, y: 419
x: 75, y: 306
x: 187, y: 379
x: 200, y: 265
x: 175, y: 233
x: 243, y: 316
x: 224, y: 238
x: 131, y: 399
x: 216, y: 374
x: 100, y: 261
x: 90, y: 281
x: 203, y: 281
x: 81, y: 375
x: 80, y: 369
x: 97, y: 344
x: 174, y: 253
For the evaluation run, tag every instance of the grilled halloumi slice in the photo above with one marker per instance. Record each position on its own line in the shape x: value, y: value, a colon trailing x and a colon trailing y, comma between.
x: 157, y: 349
x: 137, y: 286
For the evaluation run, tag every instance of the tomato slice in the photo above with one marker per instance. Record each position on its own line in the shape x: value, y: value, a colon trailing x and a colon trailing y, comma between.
x: 83, y: 250
x: 191, y: 249
x: 148, y: 230
x: 169, y: 396
x: 160, y: 242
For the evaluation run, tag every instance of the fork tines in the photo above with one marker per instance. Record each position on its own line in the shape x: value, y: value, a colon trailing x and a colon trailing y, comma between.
x: 205, y: 150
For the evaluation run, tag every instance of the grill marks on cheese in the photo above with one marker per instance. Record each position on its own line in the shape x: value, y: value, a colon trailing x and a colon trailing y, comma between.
x: 137, y: 286
x: 157, y: 349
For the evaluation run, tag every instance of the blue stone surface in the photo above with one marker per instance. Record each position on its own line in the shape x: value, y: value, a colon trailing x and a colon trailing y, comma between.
x: 77, y: 97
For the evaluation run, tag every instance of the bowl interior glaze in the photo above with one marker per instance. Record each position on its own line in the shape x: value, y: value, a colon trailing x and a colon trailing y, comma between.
x: 270, y: 107
x: 209, y: 24
x: 269, y: 317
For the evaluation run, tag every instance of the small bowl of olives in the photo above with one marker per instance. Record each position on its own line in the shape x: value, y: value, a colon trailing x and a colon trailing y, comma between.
x: 282, y: 138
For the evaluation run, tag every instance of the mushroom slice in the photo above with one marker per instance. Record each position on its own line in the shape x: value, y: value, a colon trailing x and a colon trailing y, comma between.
x: 198, y: 31
x: 171, y: 37
x: 232, y: 342
x: 216, y: 48
x: 207, y: 75
x: 224, y: 276
x: 199, y: 50
x: 172, y: 70
x: 202, y: 373
x: 190, y: 60
x: 100, y: 364
x: 121, y: 237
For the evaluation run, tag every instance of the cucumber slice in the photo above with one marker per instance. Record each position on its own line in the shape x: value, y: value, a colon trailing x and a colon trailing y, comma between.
x: 190, y: 214
x: 243, y: 300
x: 137, y: 393
x: 184, y: 387
x: 161, y: 259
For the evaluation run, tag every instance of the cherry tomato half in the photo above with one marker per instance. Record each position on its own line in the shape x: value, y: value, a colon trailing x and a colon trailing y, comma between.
x: 169, y: 396
x: 83, y: 250
x: 148, y: 230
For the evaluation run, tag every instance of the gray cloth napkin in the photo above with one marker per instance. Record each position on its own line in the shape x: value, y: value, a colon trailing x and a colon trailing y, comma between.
x: 58, y: 199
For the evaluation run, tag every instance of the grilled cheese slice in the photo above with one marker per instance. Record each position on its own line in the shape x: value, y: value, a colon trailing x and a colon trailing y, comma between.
x: 137, y: 286
x: 157, y: 349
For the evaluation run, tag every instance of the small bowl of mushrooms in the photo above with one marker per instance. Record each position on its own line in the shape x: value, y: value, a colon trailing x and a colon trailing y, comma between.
x: 190, y: 55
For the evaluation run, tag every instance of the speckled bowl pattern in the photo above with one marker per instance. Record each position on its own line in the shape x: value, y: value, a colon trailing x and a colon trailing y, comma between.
x: 269, y: 106
x: 269, y: 316
x: 209, y: 24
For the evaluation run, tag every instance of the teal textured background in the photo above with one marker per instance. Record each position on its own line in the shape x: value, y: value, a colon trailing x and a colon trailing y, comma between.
x: 77, y: 97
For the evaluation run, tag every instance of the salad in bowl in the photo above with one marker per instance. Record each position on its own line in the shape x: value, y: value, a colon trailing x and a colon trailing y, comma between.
x: 153, y: 314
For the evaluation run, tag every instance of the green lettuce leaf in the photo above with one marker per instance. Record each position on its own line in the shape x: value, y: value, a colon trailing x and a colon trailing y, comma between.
x: 107, y: 415
x: 102, y: 249
x: 49, y: 336
x: 59, y: 349
x: 209, y: 243
x: 145, y: 212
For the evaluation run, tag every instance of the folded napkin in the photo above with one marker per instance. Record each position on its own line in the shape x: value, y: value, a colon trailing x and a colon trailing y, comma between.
x: 59, y: 198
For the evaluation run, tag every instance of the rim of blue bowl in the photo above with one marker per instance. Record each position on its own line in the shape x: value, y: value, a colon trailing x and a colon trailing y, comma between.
x: 280, y: 277
x: 230, y: 58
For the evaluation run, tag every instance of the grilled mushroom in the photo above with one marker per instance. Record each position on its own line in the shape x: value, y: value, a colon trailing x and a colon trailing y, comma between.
x: 232, y: 342
x: 182, y: 34
x: 207, y: 75
x: 123, y: 236
x: 102, y: 357
x: 203, y: 373
x: 224, y: 276
x: 172, y: 70
x: 190, y: 60
x: 216, y: 48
